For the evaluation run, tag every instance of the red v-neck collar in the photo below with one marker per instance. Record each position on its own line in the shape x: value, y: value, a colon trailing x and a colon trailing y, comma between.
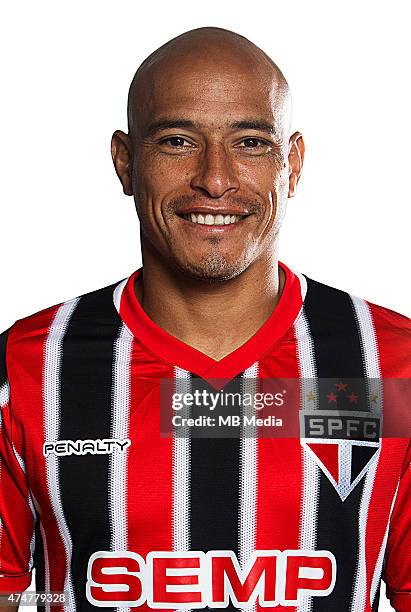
x: 178, y: 353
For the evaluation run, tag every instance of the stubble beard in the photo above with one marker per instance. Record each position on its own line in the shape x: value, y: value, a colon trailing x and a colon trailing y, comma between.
x: 214, y: 266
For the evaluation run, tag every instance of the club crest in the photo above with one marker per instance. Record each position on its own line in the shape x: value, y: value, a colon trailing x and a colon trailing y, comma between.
x: 340, y: 426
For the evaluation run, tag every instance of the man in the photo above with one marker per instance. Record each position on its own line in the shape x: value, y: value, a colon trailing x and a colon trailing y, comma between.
x: 114, y: 513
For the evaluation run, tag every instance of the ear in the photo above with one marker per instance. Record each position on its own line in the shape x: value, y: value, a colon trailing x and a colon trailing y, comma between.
x: 122, y: 155
x: 296, y: 151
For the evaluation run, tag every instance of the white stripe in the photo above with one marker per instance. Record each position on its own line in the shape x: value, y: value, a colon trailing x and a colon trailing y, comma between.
x: 117, y: 293
x: 360, y: 585
x: 306, y: 362
x: 32, y: 547
x: 311, y: 471
x: 303, y: 284
x: 30, y: 502
x: 46, y: 562
x: 52, y: 382
x: 181, y: 471
x: 19, y: 459
x: 368, y: 336
x: 376, y: 578
x: 370, y: 352
x: 248, y: 475
x: 120, y: 418
x: 4, y: 394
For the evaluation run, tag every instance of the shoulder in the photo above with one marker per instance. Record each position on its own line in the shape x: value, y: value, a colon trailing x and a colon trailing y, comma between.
x: 389, y: 332
x: 393, y: 334
x: 93, y: 309
x: 334, y: 303
x: 389, y: 320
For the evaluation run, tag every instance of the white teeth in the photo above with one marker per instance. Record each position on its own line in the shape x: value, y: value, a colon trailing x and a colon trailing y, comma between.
x: 209, y: 219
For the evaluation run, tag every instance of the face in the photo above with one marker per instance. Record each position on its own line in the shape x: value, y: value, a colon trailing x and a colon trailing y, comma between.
x: 209, y: 165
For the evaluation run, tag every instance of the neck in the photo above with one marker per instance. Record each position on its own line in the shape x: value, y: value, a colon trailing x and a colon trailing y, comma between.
x: 215, y: 318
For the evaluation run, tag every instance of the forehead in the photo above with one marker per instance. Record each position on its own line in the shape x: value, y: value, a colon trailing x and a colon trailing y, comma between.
x: 209, y: 91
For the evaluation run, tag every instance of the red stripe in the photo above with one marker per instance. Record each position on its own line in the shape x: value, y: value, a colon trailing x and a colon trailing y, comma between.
x: 279, y: 469
x: 26, y: 353
x: 16, y: 517
x: 391, y: 334
x: 394, y: 339
x: 150, y: 460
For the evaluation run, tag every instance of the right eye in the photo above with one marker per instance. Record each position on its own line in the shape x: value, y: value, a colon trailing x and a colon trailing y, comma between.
x: 177, y: 142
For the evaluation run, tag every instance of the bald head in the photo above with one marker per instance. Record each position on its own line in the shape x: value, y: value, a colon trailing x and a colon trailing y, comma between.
x: 221, y: 54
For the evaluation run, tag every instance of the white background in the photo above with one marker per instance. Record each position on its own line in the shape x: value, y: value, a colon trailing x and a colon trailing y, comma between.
x: 66, y: 227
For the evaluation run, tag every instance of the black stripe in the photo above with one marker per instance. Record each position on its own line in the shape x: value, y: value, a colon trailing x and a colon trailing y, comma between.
x: 376, y: 601
x: 86, y: 387
x: 338, y: 356
x: 337, y: 343
x: 3, y: 368
x: 360, y: 457
x: 39, y: 561
x: 215, y: 487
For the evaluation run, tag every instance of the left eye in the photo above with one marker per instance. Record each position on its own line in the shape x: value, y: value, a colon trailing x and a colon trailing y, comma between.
x: 252, y: 143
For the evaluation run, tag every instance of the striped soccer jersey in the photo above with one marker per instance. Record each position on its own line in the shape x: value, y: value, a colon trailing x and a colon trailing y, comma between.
x: 85, y: 471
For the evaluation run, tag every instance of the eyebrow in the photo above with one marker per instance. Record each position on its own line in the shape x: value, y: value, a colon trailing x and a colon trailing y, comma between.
x: 166, y: 124
x: 254, y: 124
x: 246, y: 124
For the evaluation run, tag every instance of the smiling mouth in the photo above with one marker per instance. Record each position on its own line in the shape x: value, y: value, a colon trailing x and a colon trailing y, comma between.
x: 209, y: 219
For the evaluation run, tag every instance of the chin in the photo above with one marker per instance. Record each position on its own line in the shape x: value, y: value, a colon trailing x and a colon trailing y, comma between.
x: 212, y: 269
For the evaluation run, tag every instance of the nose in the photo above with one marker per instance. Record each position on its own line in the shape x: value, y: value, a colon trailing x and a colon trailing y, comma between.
x: 215, y: 174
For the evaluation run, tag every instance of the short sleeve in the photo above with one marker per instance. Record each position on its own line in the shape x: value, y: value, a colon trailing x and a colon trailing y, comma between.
x: 397, y: 564
x: 17, y: 514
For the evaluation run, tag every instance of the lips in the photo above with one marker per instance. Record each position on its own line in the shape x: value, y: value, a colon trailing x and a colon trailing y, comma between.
x: 213, y: 216
x: 205, y: 210
x: 209, y: 219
